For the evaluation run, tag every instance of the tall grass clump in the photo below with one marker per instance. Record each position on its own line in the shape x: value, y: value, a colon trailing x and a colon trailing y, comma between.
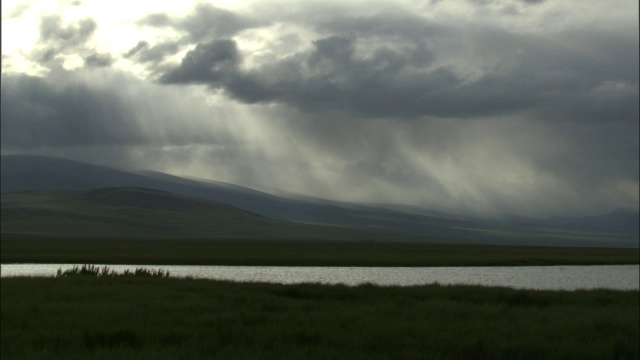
x: 105, y: 271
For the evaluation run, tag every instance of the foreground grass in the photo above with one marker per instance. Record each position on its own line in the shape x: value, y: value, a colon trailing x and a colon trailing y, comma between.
x: 16, y: 249
x: 105, y: 271
x: 165, y: 318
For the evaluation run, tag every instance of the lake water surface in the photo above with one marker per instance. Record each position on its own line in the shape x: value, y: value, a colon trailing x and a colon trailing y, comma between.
x: 620, y: 277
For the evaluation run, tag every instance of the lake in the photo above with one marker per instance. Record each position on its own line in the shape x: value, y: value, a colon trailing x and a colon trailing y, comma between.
x: 619, y: 277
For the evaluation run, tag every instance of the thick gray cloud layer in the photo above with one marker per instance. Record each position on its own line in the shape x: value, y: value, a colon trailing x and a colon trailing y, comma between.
x: 57, y: 40
x: 143, y: 52
x: 205, y: 23
x: 75, y: 109
x: 391, y: 66
x: 376, y: 104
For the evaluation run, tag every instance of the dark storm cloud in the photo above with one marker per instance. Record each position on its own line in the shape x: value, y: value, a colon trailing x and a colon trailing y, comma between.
x: 208, y: 22
x: 57, y: 39
x: 98, y: 60
x: 205, y: 23
x: 67, y: 110
x: 52, y: 31
x: 209, y: 63
x: 329, y: 77
x: 143, y: 52
x: 141, y: 45
x: 387, y: 82
x: 391, y: 65
x: 204, y: 26
x: 41, y: 112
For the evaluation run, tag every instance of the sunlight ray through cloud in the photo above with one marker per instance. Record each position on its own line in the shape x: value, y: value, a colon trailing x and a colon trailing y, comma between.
x: 486, y: 107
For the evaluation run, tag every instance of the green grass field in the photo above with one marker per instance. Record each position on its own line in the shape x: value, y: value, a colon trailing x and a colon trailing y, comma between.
x: 160, y: 318
x: 26, y: 249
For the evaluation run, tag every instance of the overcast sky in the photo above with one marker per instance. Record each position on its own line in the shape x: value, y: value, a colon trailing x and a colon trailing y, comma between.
x: 488, y: 107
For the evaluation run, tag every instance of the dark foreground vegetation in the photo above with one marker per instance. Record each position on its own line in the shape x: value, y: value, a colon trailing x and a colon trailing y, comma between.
x: 152, y: 317
x: 105, y: 271
x: 28, y: 249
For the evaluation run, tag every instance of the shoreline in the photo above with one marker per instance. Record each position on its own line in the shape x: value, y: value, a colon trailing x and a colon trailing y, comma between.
x: 553, y: 278
x: 158, y: 252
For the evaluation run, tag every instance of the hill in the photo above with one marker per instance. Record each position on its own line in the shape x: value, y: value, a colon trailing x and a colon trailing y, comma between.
x: 146, y: 213
x: 615, y: 229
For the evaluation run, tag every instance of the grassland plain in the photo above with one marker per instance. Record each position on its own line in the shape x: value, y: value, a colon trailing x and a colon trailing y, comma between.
x: 165, y: 318
x: 30, y: 249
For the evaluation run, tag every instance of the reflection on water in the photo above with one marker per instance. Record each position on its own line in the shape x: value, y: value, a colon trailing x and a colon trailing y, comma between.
x: 622, y: 277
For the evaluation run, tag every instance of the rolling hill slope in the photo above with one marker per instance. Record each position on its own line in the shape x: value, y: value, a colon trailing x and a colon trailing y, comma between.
x: 618, y: 228
x: 141, y: 212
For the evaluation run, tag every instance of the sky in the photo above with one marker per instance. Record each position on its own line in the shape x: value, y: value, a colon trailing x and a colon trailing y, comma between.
x: 525, y: 107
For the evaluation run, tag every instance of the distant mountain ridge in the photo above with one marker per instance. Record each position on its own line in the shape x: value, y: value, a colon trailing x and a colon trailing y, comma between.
x: 619, y: 228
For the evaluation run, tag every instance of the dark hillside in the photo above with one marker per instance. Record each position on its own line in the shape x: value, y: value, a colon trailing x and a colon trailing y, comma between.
x: 140, y: 212
x: 616, y: 229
